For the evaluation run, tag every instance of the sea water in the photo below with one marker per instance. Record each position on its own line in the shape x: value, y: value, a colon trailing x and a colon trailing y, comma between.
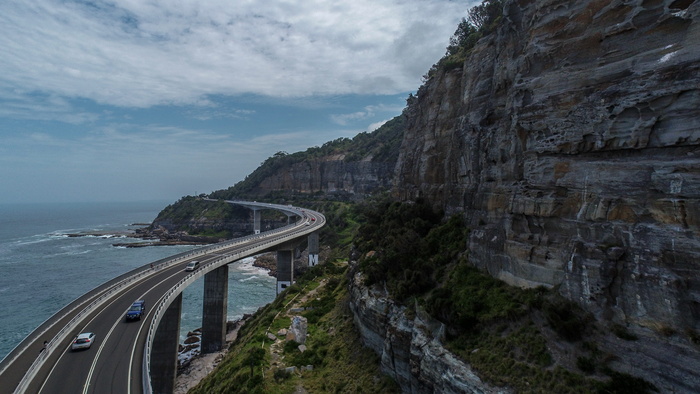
x: 42, y: 269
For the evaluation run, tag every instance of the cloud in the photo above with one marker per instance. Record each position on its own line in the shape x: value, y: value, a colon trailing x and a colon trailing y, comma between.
x: 216, y: 112
x: 128, y: 161
x: 344, y: 119
x: 136, y: 53
x: 376, y: 125
x: 367, y: 112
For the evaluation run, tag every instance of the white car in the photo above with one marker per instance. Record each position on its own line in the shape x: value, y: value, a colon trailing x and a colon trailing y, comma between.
x: 83, y: 341
x: 192, y: 266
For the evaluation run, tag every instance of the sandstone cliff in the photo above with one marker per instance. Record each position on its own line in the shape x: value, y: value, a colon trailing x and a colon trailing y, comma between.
x: 345, y: 169
x: 570, y: 140
x: 330, y: 175
x: 410, y: 348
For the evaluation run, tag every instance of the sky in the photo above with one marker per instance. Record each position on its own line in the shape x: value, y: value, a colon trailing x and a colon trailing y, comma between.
x: 131, y: 100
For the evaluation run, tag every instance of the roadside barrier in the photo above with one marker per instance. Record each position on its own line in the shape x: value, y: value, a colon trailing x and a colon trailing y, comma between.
x: 294, y: 231
x: 105, y: 291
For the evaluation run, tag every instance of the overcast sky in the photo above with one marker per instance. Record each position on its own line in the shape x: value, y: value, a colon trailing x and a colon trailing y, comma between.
x: 131, y: 100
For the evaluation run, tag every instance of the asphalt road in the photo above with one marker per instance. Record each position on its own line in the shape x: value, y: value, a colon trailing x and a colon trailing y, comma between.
x: 114, y: 363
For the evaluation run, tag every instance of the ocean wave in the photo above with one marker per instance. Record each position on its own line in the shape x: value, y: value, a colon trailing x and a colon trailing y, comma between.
x: 234, y: 317
x: 99, y: 236
x: 249, y: 278
x: 37, y: 239
x: 67, y: 253
x: 58, y: 235
x: 245, y: 267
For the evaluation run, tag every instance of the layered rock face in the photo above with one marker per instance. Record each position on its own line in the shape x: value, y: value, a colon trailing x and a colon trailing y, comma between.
x: 410, y: 348
x: 329, y: 175
x: 570, y: 140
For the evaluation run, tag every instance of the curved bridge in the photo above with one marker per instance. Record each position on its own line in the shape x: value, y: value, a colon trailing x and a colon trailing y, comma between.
x: 141, y: 356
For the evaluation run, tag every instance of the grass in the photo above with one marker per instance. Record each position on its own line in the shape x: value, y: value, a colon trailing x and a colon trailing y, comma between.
x: 339, y: 364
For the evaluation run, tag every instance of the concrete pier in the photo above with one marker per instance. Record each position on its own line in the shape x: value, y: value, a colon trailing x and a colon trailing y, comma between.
x: 165, y: 346
x: 285, y: 271
x: 214, y: 310
x: 291, y: 217
x: 257, y: 218
x: 313, y: 249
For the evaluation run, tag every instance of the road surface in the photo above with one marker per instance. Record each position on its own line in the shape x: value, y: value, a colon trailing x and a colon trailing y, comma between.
x: 115, y: 362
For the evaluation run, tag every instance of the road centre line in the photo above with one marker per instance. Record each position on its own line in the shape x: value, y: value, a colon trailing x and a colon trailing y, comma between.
x: 69, y: 345
x: 138, y: 333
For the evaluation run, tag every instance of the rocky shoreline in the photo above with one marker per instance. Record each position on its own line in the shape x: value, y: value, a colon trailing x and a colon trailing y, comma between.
x: 158, y: 237
x: 192, y: 366
x: 267, y: 261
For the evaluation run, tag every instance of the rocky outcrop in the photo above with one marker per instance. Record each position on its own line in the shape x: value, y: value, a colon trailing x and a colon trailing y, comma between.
x: 570, y: 140
x: 188, y: 230
x: 410, y: 347
x: 331, y: 175
x: 165, y: 228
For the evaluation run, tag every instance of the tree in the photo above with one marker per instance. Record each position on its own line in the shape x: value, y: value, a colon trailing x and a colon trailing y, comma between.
x: 483, y: 15
x: 255, y: 356
x: 461, y: 36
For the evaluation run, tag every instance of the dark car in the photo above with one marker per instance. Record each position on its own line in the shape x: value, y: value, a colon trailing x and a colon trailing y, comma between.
x: 136, y: 310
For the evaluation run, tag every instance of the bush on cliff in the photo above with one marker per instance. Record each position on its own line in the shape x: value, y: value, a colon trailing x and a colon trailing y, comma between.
x: 481, y: 21
x: 498, y: 329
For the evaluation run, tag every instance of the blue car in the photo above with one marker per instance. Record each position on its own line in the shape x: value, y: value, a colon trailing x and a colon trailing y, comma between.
x: 136, y: 310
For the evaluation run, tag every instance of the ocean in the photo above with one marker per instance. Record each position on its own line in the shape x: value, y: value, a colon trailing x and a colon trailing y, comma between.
x: 43, y: 269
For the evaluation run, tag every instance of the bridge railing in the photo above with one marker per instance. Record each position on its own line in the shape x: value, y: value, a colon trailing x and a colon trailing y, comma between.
x: 106, y: 290
x: 170, y: 296
x: 90, y: 307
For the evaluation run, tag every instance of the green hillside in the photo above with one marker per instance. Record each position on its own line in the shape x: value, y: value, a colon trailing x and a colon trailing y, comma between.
x: 381, y: 145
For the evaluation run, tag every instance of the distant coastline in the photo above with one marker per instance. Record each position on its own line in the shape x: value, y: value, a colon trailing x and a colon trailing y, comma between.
x: 143, y: 233
x: 266, y: 261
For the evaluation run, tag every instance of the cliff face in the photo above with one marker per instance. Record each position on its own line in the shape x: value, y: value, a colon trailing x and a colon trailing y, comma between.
x: 341, y: 169
x: 570, y: 140
x: 330, y: 174
x: 410, y: 348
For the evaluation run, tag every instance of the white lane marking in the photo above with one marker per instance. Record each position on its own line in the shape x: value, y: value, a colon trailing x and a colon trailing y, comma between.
x: 119, y: 321
x: 65, y: 351
x: 83, y: 329
x: 138, y: 333
x: 54, y: 367
x: 97, y: 356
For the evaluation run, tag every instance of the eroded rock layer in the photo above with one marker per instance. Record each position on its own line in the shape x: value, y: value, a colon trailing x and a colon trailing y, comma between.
x: 570, y: 140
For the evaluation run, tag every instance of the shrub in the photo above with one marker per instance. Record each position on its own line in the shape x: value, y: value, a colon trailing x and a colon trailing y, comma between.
x: 622, y: 383
x: 281, y: 375
x: 565, y: 318
x: 622, y: 333
x: 585, y: 364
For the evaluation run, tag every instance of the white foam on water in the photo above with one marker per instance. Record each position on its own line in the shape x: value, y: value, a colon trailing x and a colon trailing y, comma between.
x: 245, y: 267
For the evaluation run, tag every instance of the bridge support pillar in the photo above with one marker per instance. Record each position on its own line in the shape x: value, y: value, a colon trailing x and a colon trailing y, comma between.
x: 256, y: 221
x: 313, y: 249
x: 289, y: 217
x: 164, y: 353
x: 214, y: 310
x: 285, y: 269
